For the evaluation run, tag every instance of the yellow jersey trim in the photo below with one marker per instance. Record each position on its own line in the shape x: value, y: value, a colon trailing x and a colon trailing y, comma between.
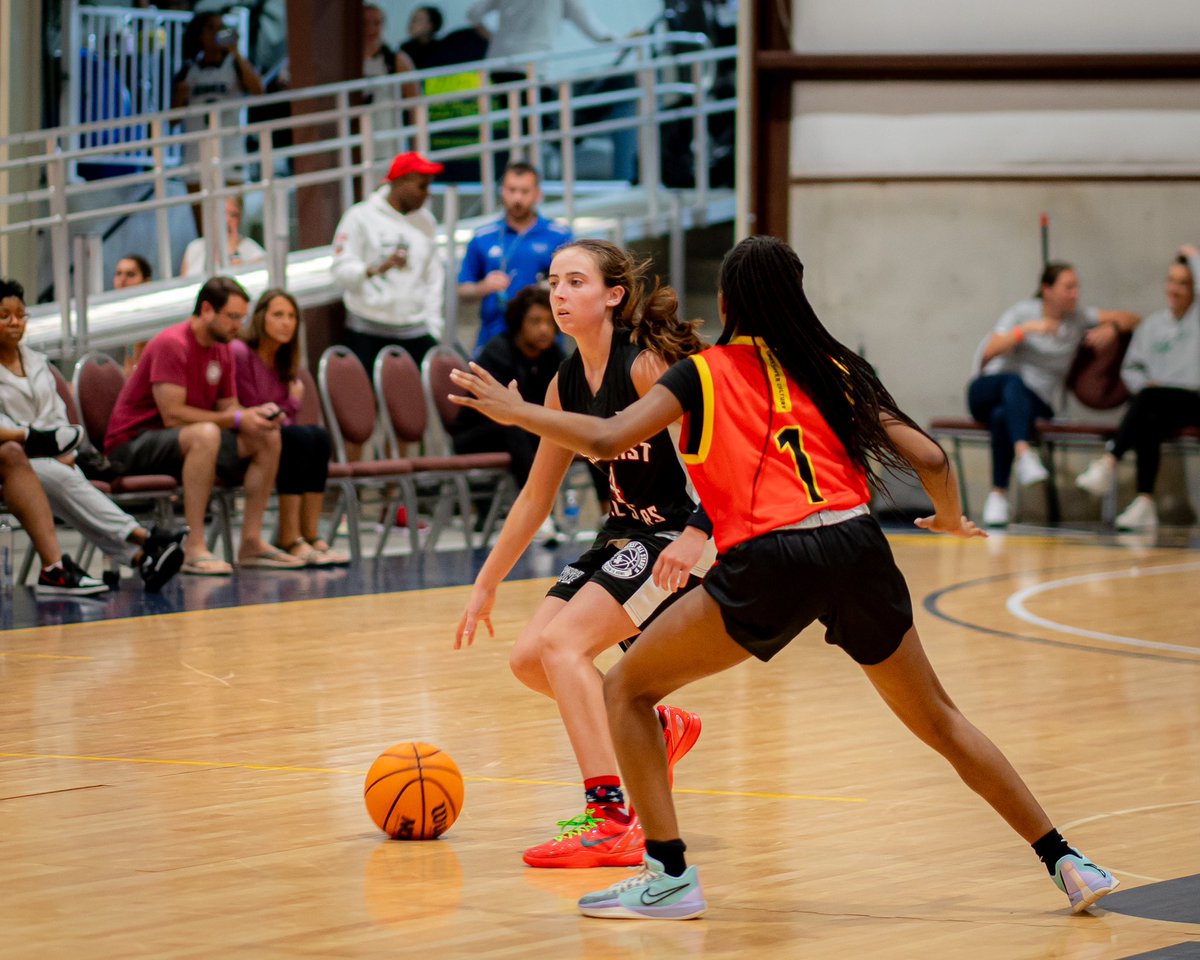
x: 706, y: 425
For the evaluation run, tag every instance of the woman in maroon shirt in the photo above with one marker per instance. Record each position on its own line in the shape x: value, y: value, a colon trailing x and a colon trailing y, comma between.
x: 267, y: 359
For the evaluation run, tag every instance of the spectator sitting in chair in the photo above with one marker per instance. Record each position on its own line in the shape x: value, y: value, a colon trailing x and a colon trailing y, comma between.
x: 132, y: 270
x: 268, y: 357
x: 239, y: 250
x: 1162, y: 370
x: 1025, y: 363
x: 33, y: 414
x: 179, y: 414
x: 24, y: 498
x: 528, y: 354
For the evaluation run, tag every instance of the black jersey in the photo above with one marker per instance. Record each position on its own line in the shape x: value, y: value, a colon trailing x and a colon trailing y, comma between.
x: 648, y: 485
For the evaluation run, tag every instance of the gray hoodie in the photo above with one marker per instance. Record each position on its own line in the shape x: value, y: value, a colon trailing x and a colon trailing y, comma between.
x: 1165, y: 351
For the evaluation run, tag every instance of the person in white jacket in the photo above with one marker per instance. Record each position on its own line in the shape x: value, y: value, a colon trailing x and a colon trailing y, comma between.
x: 30, y: 403
x: 386, y: 261
x: 1162, y: 370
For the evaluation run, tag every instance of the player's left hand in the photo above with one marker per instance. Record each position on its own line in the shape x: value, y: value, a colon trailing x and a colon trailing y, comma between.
x: 490, y: 397
x: 962, y: 528
x: 675, y: 564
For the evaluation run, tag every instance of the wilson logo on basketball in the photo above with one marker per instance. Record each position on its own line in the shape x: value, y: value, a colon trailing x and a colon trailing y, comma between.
x: 405, y: 830
x: 441, y: 819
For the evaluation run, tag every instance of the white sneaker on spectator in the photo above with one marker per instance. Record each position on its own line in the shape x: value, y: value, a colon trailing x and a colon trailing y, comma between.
x: 995, y: 510
x: 1097, y: 478
x: 1030, y: 469
x: 1139, y: 515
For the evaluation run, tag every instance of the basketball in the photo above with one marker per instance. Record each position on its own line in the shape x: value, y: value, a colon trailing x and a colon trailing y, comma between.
x: 413, y: 791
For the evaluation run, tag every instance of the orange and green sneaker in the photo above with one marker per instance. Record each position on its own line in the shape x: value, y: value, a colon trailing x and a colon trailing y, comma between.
x: 591, y: 841
x: 681, y: 730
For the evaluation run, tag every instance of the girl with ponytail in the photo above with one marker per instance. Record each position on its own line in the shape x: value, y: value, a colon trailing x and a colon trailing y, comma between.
x: 782, y: 429
x: 627, y: 334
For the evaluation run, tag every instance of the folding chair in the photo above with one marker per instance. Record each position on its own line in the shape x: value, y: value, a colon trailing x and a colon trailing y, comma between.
x: 350, y: 417
x: 401, y: 394
x: 339, y: 476
x: 90, y: 397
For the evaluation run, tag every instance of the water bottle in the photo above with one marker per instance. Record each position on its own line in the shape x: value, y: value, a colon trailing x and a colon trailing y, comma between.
x: 6, y: 556
x: 571, y: 515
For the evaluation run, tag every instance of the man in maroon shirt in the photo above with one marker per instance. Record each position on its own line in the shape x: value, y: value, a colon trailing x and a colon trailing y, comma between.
x: 179, y: 414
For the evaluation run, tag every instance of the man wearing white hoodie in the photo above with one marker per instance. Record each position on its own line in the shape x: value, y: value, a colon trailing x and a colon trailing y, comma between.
x: 385, y: 259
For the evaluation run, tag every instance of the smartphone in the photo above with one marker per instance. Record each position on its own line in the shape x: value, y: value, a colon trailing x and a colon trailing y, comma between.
x: 227, y: 38
x: 276, y: 415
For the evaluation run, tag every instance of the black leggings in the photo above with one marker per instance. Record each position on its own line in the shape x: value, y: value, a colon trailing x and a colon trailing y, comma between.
x: 1153, y: 415
x: 303, y: 461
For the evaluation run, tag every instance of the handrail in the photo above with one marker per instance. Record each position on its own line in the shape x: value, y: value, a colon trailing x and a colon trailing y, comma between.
x: 379, y: 84
x: 509, y: 119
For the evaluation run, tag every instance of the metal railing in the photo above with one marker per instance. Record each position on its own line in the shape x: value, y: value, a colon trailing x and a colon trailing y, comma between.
x: 646, y: 92
x: 120, y: 63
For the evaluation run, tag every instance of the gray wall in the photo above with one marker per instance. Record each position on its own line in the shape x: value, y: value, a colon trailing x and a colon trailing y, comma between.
x: 915, y: 206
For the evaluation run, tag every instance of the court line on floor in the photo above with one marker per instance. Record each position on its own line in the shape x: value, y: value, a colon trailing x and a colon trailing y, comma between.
x: 930, y: 602
x: 1016, y: 606
x: 18, y: 655
x: 222, y: 765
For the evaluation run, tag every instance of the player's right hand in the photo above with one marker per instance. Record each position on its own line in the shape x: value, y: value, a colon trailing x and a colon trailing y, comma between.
x: 479, y: 610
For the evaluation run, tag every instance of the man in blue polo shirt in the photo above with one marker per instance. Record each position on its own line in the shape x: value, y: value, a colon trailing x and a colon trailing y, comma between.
x: 506, y: 256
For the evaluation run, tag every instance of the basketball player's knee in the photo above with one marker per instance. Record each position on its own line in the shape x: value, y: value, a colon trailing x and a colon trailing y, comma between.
x: 525, y: 662
x: 557, y: 645
x: 623, y: 688
x: 942, y: 730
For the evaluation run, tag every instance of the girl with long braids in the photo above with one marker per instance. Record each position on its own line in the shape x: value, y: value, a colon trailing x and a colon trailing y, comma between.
x: 626, y: 337
x: 783, y: 427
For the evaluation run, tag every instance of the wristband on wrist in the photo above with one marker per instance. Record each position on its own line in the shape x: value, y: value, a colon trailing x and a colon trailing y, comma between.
x: 237, y: 419
x: 1018, y: 334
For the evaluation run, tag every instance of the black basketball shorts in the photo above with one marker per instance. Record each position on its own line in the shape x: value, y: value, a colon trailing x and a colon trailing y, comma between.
x: 622, y: 562
x: 773, y: 586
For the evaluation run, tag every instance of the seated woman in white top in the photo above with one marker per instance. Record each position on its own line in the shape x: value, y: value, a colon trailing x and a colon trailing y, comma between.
x: 1024, y: 368
x: 240, y: 250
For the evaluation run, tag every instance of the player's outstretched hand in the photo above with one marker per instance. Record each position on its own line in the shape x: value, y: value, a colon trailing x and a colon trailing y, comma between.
x: 489, y: 396
x: 479, y: 610
x: 963, y: 528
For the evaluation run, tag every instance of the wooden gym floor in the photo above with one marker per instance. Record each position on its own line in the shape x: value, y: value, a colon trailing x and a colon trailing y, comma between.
x: 189, y: 785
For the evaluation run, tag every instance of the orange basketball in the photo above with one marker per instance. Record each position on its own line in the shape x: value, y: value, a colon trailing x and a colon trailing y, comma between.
x: 413, y: 791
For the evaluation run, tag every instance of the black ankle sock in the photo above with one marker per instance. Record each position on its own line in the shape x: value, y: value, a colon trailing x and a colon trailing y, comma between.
x: 670, y: 854
x: 1051, y: 848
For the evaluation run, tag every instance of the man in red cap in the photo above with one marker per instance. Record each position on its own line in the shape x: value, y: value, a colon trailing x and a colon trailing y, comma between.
x: 386, y: 262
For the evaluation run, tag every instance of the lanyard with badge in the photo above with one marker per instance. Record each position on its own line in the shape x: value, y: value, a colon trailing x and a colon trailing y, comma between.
x: 507, y: 252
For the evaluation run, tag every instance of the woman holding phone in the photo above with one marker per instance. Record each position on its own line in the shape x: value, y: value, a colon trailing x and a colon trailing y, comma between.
x: 268, y: 359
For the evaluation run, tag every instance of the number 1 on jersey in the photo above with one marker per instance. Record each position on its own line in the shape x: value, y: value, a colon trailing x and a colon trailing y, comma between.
x: 791, y: 439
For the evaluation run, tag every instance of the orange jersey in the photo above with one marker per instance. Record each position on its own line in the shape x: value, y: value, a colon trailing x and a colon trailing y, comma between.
x: 759, y: 452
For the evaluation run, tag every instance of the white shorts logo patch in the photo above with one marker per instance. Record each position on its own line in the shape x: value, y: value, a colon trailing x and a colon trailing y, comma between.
x: 570, y: 575
x: 629, y: 563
